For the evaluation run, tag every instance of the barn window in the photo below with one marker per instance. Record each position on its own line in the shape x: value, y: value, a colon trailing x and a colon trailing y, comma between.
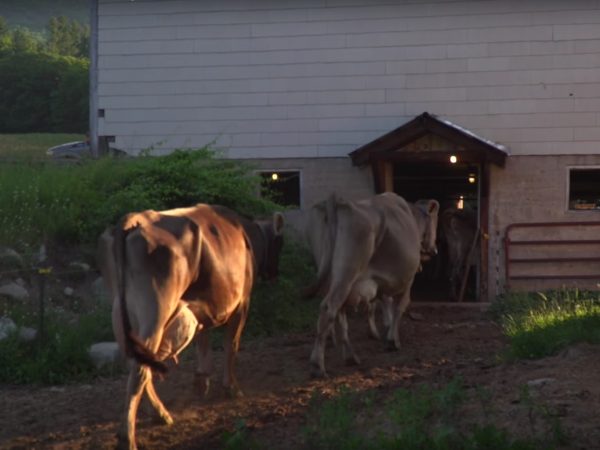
x: 584, y: 188
x: 283, y: 186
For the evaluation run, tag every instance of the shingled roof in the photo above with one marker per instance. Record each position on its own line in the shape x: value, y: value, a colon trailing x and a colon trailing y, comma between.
x: 393, y: 144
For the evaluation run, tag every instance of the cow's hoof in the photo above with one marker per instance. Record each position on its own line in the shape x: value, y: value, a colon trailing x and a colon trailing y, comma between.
x: 234, y: 392
x: 391, y: 346
x: 317, y: 372
x: 352, y: 360
x: 167, y: 419
x: 202, y: 384
x: 374, y: 336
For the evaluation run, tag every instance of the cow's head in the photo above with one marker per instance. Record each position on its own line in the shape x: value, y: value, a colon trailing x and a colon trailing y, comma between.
x: 428, y: 227
x: 272, y: 234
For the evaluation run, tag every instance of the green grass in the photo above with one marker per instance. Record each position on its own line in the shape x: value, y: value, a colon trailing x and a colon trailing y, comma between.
x: 32, y: 146
x: 542, y: 324
x: 60, y: 355
x: 425, y: 417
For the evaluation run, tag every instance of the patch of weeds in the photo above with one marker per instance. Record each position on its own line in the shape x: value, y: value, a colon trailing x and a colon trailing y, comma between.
x: 417, y: 419
x: 239, y: 438
x: 60, y: 355
x: 541, y: 324
x: 279, y: 307
x: 331, y: 422
x: 537, y: 412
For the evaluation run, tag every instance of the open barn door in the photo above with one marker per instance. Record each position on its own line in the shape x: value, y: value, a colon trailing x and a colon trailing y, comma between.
x: 433, y: 158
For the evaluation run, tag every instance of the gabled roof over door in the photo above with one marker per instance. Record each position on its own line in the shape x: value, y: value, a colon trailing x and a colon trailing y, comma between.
x: 428, y: 138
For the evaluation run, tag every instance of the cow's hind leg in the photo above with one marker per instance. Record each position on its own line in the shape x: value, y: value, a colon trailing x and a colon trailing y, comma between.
x: 138, y: 378
x: 233, y: 335
x: 371, y: 313
x: 393, y: 335
x: 348, y: 352
x: 204, y: 363
x: 157, y: 404
x: 325, y: 323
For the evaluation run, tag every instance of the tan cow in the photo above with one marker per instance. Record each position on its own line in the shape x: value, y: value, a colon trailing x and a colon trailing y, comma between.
x: 173, y: 273
x: 364, y: 250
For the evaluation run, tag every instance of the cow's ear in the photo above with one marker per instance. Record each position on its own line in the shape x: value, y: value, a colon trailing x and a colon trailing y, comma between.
x: 433, y: 206
x: 278, y: 223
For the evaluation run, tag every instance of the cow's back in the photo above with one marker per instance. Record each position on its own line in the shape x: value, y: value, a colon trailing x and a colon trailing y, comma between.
x: 226, y: 272
x: 396, y: 257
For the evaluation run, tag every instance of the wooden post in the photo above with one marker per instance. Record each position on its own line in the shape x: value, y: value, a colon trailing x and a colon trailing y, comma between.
x: 93, y: 77
x: 383, y: 176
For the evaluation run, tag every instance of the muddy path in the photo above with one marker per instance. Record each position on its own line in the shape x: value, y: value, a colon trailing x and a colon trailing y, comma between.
x: 439, y: 344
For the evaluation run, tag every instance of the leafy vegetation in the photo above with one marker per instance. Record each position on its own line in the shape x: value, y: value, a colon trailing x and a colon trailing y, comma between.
x: 541, y: 324
x: 60, y: 355
x: 44, y: 78
x: 72, y: 204
x: 63, y: 206
x: 423, y: 418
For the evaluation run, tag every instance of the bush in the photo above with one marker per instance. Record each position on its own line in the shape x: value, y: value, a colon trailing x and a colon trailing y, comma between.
x: 41, y: 92
x: 72, y: 204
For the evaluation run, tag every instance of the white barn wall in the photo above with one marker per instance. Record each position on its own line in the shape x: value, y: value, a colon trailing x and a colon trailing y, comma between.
x: 302, y: 79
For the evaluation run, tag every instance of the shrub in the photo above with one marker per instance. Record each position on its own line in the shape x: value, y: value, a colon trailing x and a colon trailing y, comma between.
x: 72, y: 204
x: 41, y: 92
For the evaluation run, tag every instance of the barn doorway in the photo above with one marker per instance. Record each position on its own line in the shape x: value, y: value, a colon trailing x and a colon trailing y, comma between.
x: 430, y: 157
x: 456, y: 187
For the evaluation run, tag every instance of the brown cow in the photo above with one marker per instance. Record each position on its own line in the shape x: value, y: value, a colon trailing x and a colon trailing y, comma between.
x: 171, y: 273
x: 458, y: 230
x: 364, y: 250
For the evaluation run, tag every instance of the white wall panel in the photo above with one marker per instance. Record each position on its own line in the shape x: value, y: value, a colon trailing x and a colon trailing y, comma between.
x: 291, y: 78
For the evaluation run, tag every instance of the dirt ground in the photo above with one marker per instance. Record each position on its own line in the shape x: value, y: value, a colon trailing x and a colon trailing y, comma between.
x: 440, y: 343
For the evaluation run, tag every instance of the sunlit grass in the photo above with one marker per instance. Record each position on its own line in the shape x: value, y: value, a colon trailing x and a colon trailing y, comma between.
x: 542, y: 324
x: 32, y: 146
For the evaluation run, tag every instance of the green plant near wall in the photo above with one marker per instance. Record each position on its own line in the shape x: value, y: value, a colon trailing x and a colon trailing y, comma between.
x: 72, y: 204
x: 541, y: 324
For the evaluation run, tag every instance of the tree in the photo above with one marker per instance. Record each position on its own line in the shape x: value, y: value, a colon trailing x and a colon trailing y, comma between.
x: 25, y: 41
x: 5, y: 38
x: 67, y: 37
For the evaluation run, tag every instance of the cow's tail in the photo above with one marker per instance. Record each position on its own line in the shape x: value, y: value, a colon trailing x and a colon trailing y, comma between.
x: 134, y: 347
x: 324, y: 263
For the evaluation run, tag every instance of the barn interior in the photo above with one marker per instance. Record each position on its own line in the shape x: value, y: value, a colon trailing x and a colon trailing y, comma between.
x: 429, y: 157
x: 453, y: 185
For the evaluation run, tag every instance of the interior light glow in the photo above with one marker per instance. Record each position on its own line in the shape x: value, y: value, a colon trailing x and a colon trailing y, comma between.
x: 453, y: 159
x: 461, y: 202
x: 471, y: 178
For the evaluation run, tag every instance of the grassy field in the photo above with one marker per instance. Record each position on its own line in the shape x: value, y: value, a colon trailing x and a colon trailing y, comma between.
x: 32, y: 145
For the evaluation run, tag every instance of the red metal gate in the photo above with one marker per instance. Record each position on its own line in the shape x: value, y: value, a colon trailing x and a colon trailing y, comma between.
x: 559, y: 251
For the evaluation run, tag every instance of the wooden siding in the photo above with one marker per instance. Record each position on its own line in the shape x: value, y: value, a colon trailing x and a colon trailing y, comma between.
x: 320, y: 78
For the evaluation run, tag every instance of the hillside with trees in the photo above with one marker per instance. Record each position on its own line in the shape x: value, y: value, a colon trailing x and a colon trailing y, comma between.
x: 44, y: 77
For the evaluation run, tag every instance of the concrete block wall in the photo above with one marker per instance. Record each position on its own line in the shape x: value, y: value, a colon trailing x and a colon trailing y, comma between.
x: 535, y: 189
